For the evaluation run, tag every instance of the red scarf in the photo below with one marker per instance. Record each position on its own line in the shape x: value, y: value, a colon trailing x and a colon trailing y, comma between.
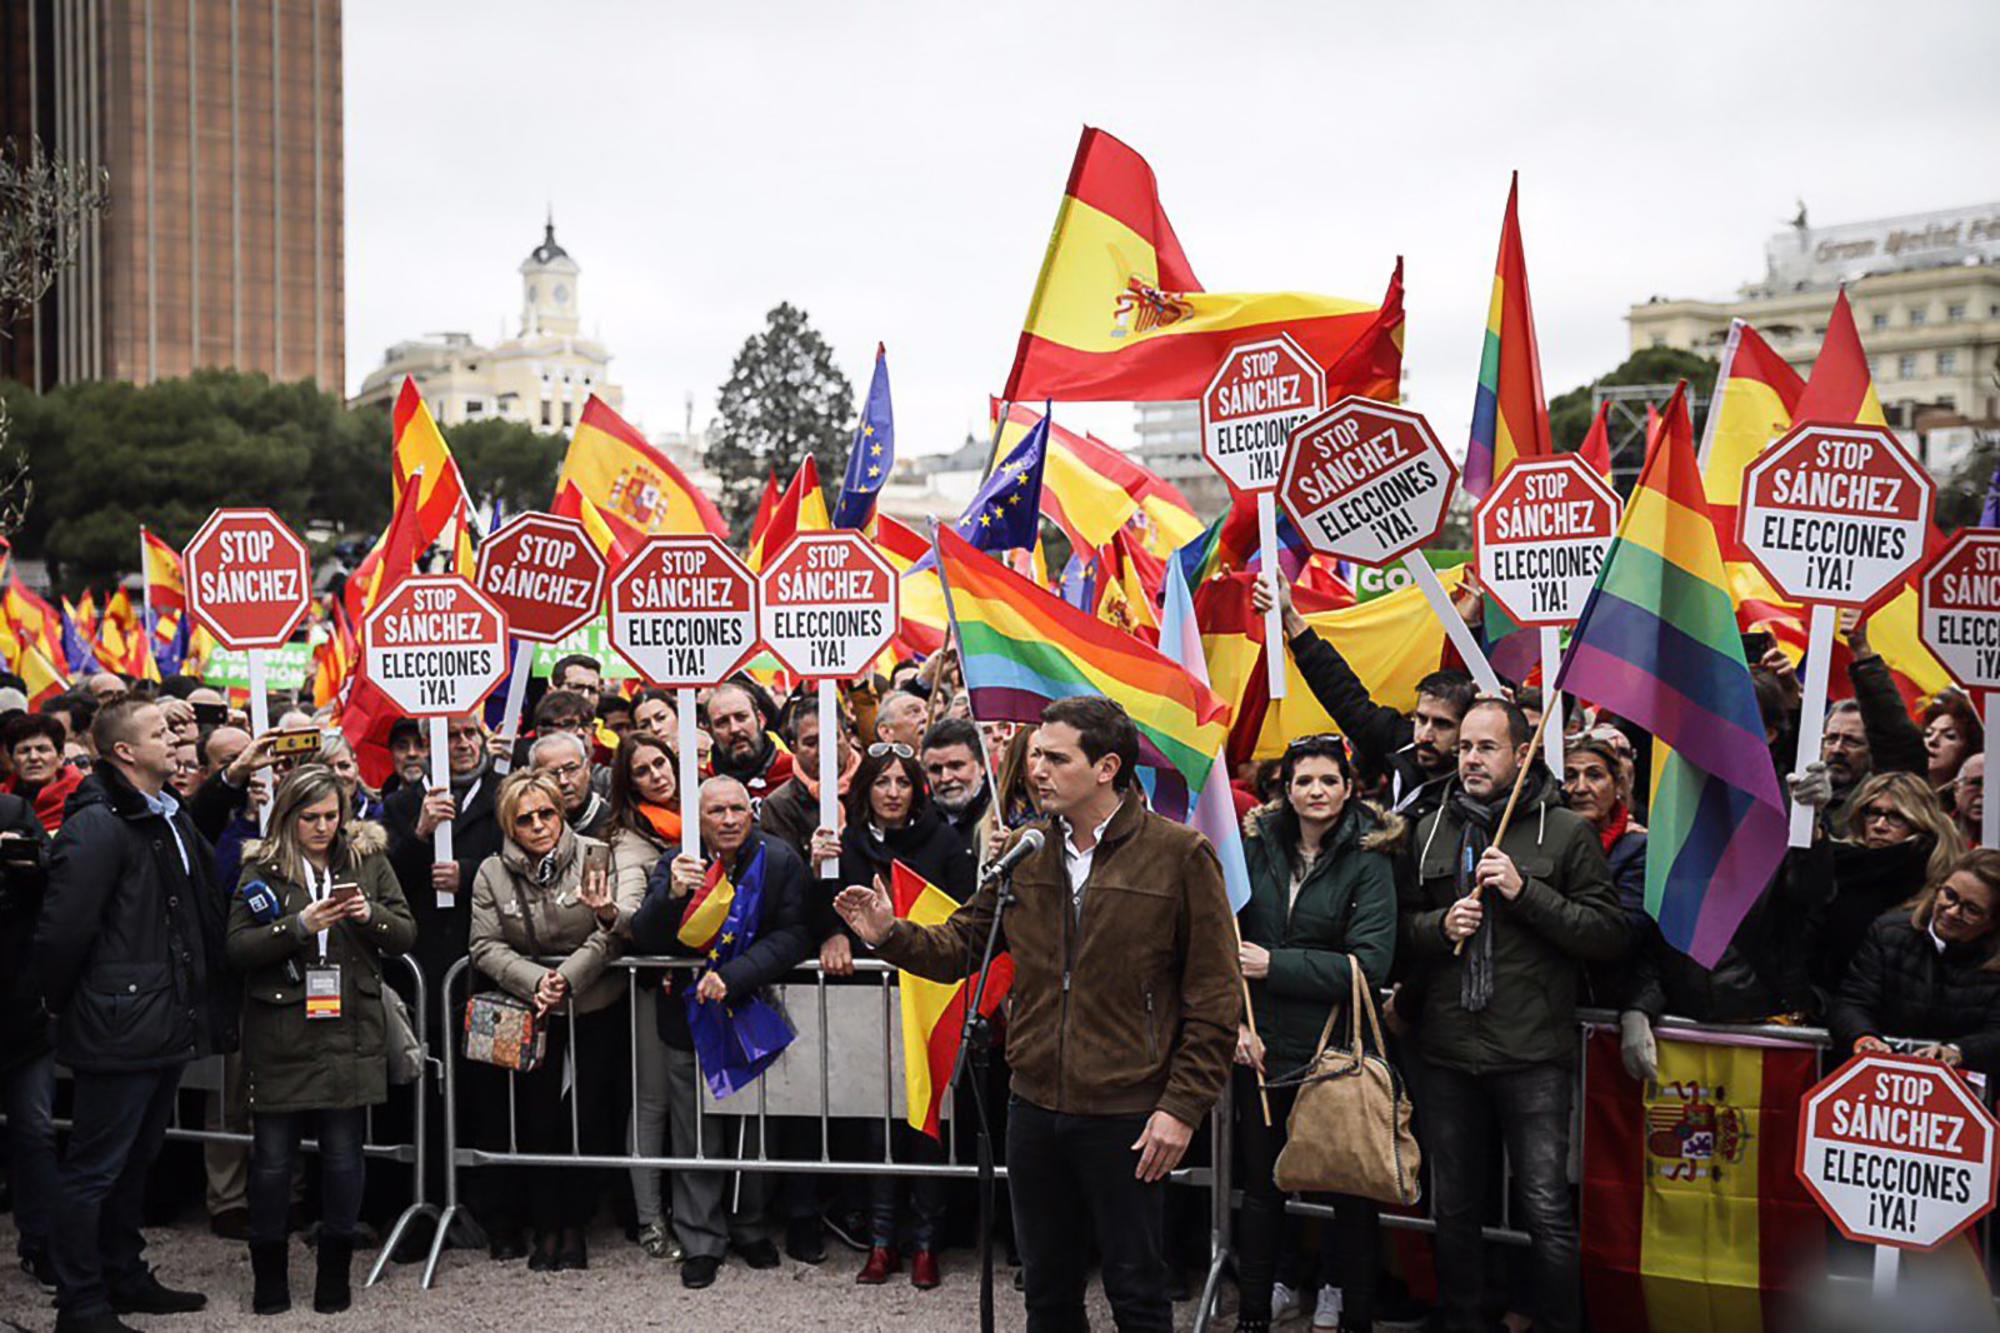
x: 1614, y: 827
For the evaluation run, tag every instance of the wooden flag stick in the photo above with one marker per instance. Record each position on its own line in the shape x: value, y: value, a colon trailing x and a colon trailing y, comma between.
x: 1507, y: 815
x: 1250, y: 1016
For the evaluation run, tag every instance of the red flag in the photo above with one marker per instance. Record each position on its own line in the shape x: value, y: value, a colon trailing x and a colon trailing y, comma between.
x: 1596, y: 447
x: 1840, y: 388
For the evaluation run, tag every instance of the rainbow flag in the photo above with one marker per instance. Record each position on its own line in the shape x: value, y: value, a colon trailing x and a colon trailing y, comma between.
x: 1657, y: 643
x: 636, y: 490
x: 1022, y: 647
x: 1117, y: 313
x: 934, y: 1011
x: 1215, y: 806
x: 701, y: 920
x: 1693, y: 1219
x: 1510, y: 417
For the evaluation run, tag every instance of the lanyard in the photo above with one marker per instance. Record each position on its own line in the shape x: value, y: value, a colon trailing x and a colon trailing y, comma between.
x: 318, y: 890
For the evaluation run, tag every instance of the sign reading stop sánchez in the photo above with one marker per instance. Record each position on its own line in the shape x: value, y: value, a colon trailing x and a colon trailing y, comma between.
x: 435, y: 645
x: 1835, y: 514
x: 684, y: 612
x: 1897, y: 1150
x: 1958, y: 604
x: 544, y: 574
x: 1543, y: 533
x: 1260, y: 394
x: 828, y: 604
x: 249, y: 578
x: 1366, y: 481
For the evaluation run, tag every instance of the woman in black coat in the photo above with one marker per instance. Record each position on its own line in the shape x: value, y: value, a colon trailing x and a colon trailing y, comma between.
x: 1932, y: 974
x: 1900, y: 840
x: 890, y: 818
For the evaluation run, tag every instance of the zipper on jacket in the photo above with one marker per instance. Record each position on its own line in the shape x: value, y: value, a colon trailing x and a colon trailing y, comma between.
x: 1062, y: 1018
x: 1152, y: 1039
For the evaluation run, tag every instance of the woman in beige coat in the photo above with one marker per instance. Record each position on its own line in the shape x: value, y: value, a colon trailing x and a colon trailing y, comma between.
x: 544, y: 926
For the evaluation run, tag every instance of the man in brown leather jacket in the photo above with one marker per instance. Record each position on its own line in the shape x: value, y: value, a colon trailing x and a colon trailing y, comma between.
x: 1123, y: 1012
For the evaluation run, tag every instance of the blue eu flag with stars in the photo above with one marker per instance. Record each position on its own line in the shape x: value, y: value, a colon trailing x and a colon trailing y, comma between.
x: 872, y: 454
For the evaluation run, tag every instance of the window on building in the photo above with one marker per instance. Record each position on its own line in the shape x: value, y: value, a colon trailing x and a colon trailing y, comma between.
x: 547, y: 408
x: 569, y: 410
x: 1906, y: 367
x: 1880, y: 321
x: 1947, y: 363
x: 1918, y: 314
x: 1658, y: 341
x: 1819, y: 333
x: 474, y: 406
x: 1955, y: 312
x: 1948, y: 402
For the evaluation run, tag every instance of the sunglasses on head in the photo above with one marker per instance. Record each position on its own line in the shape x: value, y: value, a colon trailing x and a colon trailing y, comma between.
x: 1333, y: 738
x: 897, y: 748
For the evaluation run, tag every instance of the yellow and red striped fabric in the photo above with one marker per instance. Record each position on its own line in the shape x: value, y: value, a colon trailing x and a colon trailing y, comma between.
x: 934, y: 1011
x: 1117, y: 313
x: 418, y: 451
x: 635, y: 489
x: 161, y: 569
x: 802, y: 508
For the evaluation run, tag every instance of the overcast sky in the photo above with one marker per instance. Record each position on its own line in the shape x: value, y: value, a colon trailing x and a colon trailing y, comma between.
x: 895, y: 169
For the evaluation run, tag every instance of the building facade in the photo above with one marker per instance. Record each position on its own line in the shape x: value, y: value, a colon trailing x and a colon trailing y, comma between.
x: 542, y: 376
x: 1925, y: 290
x: 219, y: 124
x: 1169, y: 442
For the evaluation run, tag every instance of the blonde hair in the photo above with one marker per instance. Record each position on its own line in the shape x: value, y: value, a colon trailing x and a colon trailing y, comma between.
x: 1983, y: 864
x: 515, y: 787
x: 305, y: 786
x: 1912, y: 798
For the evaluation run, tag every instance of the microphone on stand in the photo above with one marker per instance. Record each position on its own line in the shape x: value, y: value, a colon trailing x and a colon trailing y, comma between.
x: 1024, y: 847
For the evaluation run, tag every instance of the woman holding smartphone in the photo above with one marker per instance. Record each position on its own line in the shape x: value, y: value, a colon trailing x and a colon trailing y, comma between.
x: 317, y: 910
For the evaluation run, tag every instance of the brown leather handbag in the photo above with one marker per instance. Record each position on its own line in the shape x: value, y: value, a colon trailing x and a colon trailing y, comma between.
x: 1349, y: 1131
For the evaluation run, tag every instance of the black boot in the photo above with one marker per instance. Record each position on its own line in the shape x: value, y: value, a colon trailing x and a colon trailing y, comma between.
x: 269, y: 1266
x: 331, y: 1293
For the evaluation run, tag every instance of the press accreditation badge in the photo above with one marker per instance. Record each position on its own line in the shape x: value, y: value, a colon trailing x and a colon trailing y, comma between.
x: 323, y: 991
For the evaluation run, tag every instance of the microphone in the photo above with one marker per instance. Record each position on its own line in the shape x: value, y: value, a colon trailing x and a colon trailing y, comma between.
x: 266, y: 907
x: 1024, y: 847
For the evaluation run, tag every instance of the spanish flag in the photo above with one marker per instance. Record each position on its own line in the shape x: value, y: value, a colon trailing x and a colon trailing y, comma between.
x: 802, y: 508
x: 419, y: 453
x: 1117, y: 312
x: 934, y: 1011
x: 161, y: 568
x: 924, y: 625
x: 707, y: 910
x: 1693, y: 1219
x: 636, y: 490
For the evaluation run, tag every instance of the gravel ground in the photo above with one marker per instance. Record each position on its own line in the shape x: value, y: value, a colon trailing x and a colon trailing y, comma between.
x: 622, y: 1290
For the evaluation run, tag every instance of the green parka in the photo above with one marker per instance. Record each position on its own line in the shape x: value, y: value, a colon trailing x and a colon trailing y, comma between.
x: 291, y: 1063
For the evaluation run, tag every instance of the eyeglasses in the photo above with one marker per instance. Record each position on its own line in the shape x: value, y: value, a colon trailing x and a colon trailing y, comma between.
x: 897, y: 748
x: 564, y: 772
x: 1883, y: 814
x: 1950, y: 900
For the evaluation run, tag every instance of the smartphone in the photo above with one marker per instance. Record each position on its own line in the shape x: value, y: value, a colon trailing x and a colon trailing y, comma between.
x: 299, y: 744
x: 345, y: 893
x: 596, y: 859
x: 210, y: 715
x: 1755, y: 644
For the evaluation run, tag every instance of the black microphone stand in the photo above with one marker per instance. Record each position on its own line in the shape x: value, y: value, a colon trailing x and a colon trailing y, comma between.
x: 974, y: 1051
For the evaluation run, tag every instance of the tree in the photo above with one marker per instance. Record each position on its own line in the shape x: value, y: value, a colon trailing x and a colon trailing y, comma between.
x: 1570, y: 413
x: 509, y: 461
x: 784, y: 399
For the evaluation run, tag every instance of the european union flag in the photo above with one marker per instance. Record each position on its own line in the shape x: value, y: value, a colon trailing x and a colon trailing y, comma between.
x: 736, y: 1041
x: 77, y: 652
x: 872, y: 454
x: 1007, y: 512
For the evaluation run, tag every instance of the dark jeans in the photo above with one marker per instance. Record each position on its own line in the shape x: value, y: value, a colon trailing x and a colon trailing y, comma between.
x: 119, y: 1124
x: 589, y: 1118
x: 1531, y: 1108
x: 1353, y: 1233
x: 1072, y: 1179
x: 274, y: 1147
x: 885, y: 1191
x: 31, y: 1133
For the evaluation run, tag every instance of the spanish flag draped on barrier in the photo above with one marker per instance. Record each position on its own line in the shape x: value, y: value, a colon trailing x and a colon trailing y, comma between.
x: 1117, y: 312
x: 1693, y: 1218
x: 624, y: 489
x: 934, y: 1011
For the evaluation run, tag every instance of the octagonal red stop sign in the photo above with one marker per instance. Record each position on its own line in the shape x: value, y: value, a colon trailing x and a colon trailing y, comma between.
x: 1259, y: 396
x: 544, y: 574
x: 1542, y: 534
x: 1897, y: 1150
x: 1958, y: 605
x: 435, y: 645
x: 248, y: 578
x: 828, y: 604
x: 1366, y: 481
x: 684, y: 611
x: 1835, y: 514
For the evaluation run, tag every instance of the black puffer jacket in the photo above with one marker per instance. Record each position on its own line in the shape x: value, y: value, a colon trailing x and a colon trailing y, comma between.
x: 24, y: 1024
x: 927, y: 845
x: 129, y: 953
x: 1762, y: 973
x: 1902, y: 985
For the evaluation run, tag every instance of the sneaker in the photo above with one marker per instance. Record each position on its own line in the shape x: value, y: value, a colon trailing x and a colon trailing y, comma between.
x: 657, y: 1240
x: 38, y: 1267
x: 1327, y: 1313
x: 1285, y: 1303
x: 850, y: 1229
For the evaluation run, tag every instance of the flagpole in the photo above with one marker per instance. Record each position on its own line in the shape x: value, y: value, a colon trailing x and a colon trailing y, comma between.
x: 1507, y: 815
x: 145, y: 581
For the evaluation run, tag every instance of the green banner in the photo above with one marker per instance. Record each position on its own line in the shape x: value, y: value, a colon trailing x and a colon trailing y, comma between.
x: 1372, y: 583
x: 594, y: 639
x: 286, y: 668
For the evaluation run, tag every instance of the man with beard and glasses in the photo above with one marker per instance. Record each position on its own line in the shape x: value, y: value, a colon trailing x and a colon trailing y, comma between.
x: 1419, y: 751
x: 744, y: 750
x: 957, y: 778
x: 1497, y: 935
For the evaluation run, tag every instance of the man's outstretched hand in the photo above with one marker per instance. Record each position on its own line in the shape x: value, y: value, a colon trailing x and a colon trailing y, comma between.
x: 867, y: 911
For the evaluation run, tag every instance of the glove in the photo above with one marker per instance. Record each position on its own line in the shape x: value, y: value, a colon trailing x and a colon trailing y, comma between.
x: 1636, y: 1047
x: 1812, y: 787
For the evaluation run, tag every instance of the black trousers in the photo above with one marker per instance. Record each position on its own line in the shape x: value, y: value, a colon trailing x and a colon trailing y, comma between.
x: 120, y: 1121
x: 1072, y: 1179
x: 1354, y: 1240
x: 589, y: 1118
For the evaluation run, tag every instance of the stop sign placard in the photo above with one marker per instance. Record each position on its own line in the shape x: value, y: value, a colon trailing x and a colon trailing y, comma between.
x: 435, y: 645
x: 684, y: 612
x: 1542, y: 534
x: 1366, y: 481
x: 544, y: 574
x: 1959, y: 608
x: 829, y: 604
x: 1897, y: 1150
x: 1260, y: 394
x: 249, y: 578
x: 1835, y: 514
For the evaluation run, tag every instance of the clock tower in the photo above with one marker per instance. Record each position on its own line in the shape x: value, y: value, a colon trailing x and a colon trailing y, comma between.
x: 548, y: 288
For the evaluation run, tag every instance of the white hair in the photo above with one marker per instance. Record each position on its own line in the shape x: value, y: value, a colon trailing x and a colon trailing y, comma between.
x: 559, y: 738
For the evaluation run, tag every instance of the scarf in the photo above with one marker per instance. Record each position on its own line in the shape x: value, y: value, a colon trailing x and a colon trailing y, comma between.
x: 663, y: 820
x: 1477, y: 820
x: 810, y: 781
x: 1614, y: 828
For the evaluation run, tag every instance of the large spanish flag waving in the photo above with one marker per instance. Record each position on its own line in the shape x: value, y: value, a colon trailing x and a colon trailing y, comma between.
x: 934, y: 1011
x: 636, y: 490
x: 418, y: 452
x: 1118, y: 314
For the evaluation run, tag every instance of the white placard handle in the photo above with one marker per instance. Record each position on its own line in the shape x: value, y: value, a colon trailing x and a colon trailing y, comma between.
x: 1454, y: 624
x: 1274, y: 619
x: 510, y: 712
x: 690, y: 774
x: 1812, y: 712
x: 1989, y: 808
x: 441, y: 781
x: 260, y: 722
x: 829, y: 768
x: 1552, y: 702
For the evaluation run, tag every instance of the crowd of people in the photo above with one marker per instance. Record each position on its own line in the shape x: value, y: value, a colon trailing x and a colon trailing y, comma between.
x: 173, y: 887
